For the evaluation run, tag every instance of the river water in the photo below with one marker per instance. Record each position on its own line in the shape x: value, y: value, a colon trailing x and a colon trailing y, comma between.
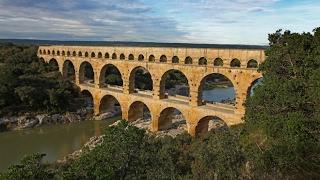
x: 60, y: 140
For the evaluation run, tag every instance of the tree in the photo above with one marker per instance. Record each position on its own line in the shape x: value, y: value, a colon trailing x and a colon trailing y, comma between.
x: 283, y: 116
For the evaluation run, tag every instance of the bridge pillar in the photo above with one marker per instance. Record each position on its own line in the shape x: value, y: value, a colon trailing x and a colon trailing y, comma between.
x: 158, y: 91
x: 194, y: 98
x: 241, y: 96
x: 161, y: 122
x: 192, y: 128
x: 125, y: 113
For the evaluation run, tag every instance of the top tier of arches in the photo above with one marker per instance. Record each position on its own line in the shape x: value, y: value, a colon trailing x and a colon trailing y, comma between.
x: 191, y: 56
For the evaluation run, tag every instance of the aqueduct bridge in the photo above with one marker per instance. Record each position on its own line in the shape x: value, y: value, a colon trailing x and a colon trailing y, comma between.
x: 239, y: 65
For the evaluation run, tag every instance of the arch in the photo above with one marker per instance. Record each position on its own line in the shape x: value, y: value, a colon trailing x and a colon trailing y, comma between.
x: 74, y: 53
x: 48, y: 52
x: 93, y: 55
x: 218, y: 62
x: 152, y: 58
x: 53, y: 52
x: 87, y: 96
x: 58, y: 53
x: 202, y: 61
x: 80, y: 54
x: 68, y: 70
x: 107, y: 104
x: 63, y: 53
x: 203, y: 125
x: 140, y: 78
x: 40, y: 51
x: 235, y: 63
x: 99, y: 55
x: 175, y: 59
x: 254, y: 84
x: 86, y: 54
x: 122, y: 57
x: 114, y: 56
x: 111, y: 75
x: 176, y: 78
x: 68, y: 53
x: 252, y: 64
x: 131, y: 57
x: 141, y: 57
x: 165, y: 119
x: 106, y: 55
x: 86, y: 72
x: 163, y: 58
x: 44, y: 51
x: 54, y: 64
x: 136, y: 110
x: 188, y: 60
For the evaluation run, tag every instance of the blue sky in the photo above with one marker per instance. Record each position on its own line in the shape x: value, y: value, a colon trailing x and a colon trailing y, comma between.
x: 176, y: 21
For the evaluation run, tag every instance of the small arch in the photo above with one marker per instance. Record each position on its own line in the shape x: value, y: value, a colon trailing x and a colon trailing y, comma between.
x: 63, y: 53
x: 44, y: 51
x: 58, y: 53
x: 202, y: 61
x: 131, y: 57
x: 252, y: 64
x: 86, y: 54
x: 152, y: 58
x: 175, y: 59
x: 114, y: 56
x: 163, y: 58
x: 74, y: 53
x: 53, y: 52
x: 99, y: 55
x: 68, y: 53
x: 80, y: 54
x: 235, y: 63
x: 218, y: 62
x: 106, y: 55
x: 93, y: 55
x: 138, y: 110
x: 109, y: 104
x: 188, y: 60
x: 122, y: 57
x: 210, y: 123
x: 141, y: 57
x: 48, y: 52
x: 40, y: 51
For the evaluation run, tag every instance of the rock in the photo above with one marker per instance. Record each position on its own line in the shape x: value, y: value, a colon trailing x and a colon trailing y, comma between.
x: 105, y: 116
x: 43, y: 119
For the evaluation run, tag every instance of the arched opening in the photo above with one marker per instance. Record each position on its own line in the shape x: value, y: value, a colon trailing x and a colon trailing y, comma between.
x: 235, y: 63
x: 141, y: 57
x: 74, y: 53
x: 109, y: 107
x: 174, y: 83
x: 68, y: 70
x: 106, y: 56
x: 218, y: 62
x: 86, y: 99
x: 122, y: 57
x: 110, y: 76
x: 114, y: 56
x: 252, y: 64
x: 210, y: 123
x: 93, y: 55
x: 131, y: 57
x: 86, y: 54
x: 40, y: 51
x: 80, y: 54
x: 99, y: 55
x: 175, y: 59
x: 188, y: 60
x: 58, y: 53
x: 163, y: 58
x: 63, y: 53
x: 48, y: 52
x: 152, y: 58
x: 217, y: 89
x: 202, y: 61
x: 254, y: 84
x: 53, y: 52
x: 139, y: 111
x: 44, y: 52
x: 54, y: 64
x: 172, y: 118
x: 86, y: 74
x: 140, y: 79
x: 68, y: 53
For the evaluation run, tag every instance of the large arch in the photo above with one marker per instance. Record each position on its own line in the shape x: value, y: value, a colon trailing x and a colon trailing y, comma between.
x: 170, y: 79
x: 54, y: 64
x: 110, y: 75
x: 68, y: 70
x: 136, y: 110
x: 86, y: 72
x: 107, y: 104
x: 88, y: 102
x: 139, y: 77
x: 204, y: 125
x: 254, y: 83
x: 165, y: 119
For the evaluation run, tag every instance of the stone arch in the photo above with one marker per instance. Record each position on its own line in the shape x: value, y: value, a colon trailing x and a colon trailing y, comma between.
x: 188, y: 60
x: 86, y: 54
x: 175, y: 59
x: 40, y: 51
x: 48, y: 52
x: 235, y: 63
x: 99, y: 55
x: 202, y: 61
x: 106, y: 55
x: 135, y: 76
x: 252, y: 63
x: 164, y: 121
x: 44, y: 52
x: 164, y: 84
x: 114, y: 56
x: 218, y: 62
x: 68, y: 53
x: 136, y: 110
x: 208, y: 89
x: 122, y: 56
x: 80, y: 54
x: 131, y: 57
x: 58, y: 53
x: 203, y: 125
x: 53, y: 52
x: 93, y: 55
x: 163, y: 58
x: 87, y: 96
x: 114, y: 72
x: 74, y: 53
x: 152, y: 58
x: 63, y: 53
x: 141, y: 57
x: 54, y: 64
x: 86, y: 72
x: 253, y: 84
x: 107, y: 104
x: 68, y: 70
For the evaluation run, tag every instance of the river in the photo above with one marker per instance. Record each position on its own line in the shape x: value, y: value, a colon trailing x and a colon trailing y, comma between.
x: 60, y: 140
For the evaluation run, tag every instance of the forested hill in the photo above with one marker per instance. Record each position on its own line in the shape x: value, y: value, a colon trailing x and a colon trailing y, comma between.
x: 122, y: 43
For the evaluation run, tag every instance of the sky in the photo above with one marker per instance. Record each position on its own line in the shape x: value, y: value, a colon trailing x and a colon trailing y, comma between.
x: 169, y: 21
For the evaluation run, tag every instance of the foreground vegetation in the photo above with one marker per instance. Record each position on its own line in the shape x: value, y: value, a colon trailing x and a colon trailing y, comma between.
x: 280, y: 139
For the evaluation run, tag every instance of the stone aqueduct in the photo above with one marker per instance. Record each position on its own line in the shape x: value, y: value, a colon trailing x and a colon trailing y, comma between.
x: 195, y: 63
